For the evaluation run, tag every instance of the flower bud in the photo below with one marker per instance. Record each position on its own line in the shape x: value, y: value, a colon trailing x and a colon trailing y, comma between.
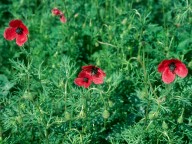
x: 61, y: 84
x: 164, y: 125
x: 105, y: 114
x: 55, y: 54
x: 124, y: 21
x: 67, y: 115
x: 19, y: 119
x: 27, y: 95
x: 153, y: 115
x: 110, y: 103
x: 180, y: 119
x: 190, y: 64
x: 143, y: 94
x: 53, y: 65
x: 96, y: 44
x: 82, y: 114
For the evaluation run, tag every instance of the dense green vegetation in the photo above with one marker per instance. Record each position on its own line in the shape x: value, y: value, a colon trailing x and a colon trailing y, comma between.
x: 127, y: 39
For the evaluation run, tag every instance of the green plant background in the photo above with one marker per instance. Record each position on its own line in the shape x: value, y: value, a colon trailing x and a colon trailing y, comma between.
x: 127, y: 39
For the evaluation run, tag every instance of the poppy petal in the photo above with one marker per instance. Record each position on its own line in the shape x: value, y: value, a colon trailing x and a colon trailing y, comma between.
x: 86, y: 85
x: 25, y: 29
x: 56, y: 11
x: 96, y: 73
x: 62, y: 18
x: 168, y: 76
x: 87, y: 68
x: 181, y: 70
x: 84, y: 74
x: 101, y: 72
x: 97, y: 80
x: 10, y: 34
x: 163, y: 65
x: 15, y: 23
x: 21, y: 39
x: 79, y: 81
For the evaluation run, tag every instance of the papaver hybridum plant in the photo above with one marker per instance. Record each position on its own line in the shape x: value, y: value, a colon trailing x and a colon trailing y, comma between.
x: 16, y: 30
x: 83, y: 79
x: 96, y: 73
x: 170, y: 68
x: 88, y: 75
x: 57, y: 12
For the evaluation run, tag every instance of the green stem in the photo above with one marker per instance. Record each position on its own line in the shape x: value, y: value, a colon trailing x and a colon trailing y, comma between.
x: 65, y: 95
x: 46, y: 136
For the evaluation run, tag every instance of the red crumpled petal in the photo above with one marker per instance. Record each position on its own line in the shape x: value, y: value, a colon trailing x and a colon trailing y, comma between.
x: 101, y: 72
x: 84, y: 74
x: 97, y: 80
x: 62, y: 18
x: 181, y: 70
x: 86, y: 85
x: 90, y: 67
x: 98, y: 77
x: 87, y: 67
x: 56, y: 11
x: 80, y: 80
x: 25, y: 29
x: 15, y: 23
x: 168, y: 76
x: 10, y: 33
x: 21, y: 39
x: 163, y: 65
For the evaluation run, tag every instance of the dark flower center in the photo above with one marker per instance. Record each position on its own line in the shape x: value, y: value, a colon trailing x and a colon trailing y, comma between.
x: 85, y: 80
x: 94, y: 71
x: 19, y: 30
x: 172, y: 66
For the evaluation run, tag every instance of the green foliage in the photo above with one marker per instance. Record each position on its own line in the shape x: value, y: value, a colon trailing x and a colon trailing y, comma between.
x: 39, y: 102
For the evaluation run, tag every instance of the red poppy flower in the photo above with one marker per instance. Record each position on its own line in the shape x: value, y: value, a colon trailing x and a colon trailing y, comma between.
x: 56, y: 11
x: 170, y: 68
x: 84, y: 79
x: 59, y: 13
x: 16, y: 30
x: 96, y: 73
